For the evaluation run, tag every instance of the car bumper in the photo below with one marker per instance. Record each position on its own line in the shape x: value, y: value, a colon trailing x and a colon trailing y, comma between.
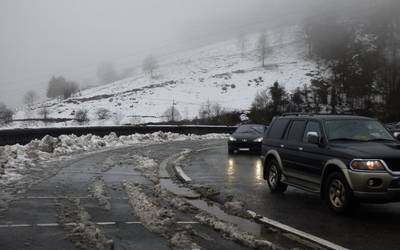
x: 245, y: 146
x: 386, y: 188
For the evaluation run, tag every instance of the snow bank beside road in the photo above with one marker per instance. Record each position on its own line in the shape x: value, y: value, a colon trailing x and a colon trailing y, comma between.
x: 17, y: 160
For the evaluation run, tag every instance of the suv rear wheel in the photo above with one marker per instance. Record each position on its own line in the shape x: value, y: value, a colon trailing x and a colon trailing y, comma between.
x: 338, y: 194
x: 274, y: 176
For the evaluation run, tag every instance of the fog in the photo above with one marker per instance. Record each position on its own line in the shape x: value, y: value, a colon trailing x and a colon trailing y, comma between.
x: 71, y: 38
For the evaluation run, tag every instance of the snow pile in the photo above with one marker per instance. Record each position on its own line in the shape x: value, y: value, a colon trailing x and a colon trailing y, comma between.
x: 147, y: 166
x: 85, y: 233
x: 153, y: 217
x: 17, y: 160
x: 98, y: 190
x: 159, y: 218
x: 233, y: 232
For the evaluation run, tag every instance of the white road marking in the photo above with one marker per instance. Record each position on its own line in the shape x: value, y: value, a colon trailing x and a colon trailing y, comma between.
x: 69, y: 197
x: 297, y: 232
x: 48, y: 225
x: 15, y: 225
x: 106, y: 223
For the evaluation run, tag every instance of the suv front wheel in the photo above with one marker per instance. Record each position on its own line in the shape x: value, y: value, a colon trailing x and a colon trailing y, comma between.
x: 274, y: 176
x: 338, y: 194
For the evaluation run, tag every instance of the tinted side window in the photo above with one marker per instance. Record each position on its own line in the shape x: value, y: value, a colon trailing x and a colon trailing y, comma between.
x: 278, y: 128
x: 312, y: 126
x: 296, y: 131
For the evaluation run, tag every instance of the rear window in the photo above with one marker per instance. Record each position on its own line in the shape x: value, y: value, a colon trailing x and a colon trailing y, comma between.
x: 296, y: 131
x: 278, y: 128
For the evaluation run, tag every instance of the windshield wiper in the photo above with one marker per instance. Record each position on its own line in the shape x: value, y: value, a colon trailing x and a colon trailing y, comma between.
x: 381, y: 139
x: 257, y: 131
x: 346, y: 139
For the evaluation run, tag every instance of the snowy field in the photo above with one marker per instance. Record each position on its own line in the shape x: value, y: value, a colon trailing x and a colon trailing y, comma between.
x: 217, y: 73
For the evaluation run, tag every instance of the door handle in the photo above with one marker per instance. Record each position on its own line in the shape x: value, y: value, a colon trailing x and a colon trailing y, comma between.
x: 282, y: 146
x: 300, y: 148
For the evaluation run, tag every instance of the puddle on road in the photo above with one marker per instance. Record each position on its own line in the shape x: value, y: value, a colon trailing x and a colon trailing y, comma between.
x: 257, y: 230
x: 193, y: 199
x: 169, y: 185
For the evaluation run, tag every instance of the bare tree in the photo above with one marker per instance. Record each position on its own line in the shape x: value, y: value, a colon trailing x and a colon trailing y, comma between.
x: 242, y: 43
x: 150, y: 65
x: 205, y: 110
x: 60, y: 87
x: 44, y: 112
x: 263, y: 49
x: 172, y: 114
x: 103, y: 114
x: 30, y: 97
x: 6, y: 114
x: 261, y: 100
x: 216, y: 110
x: 81, y: 116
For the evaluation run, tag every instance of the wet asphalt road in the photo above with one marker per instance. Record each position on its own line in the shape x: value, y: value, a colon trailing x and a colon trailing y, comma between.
x: 34, y: 214
x: 374, y: 226
x: 31, y: 222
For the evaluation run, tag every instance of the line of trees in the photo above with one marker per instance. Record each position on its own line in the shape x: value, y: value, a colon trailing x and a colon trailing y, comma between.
x: 359, y: 61
x: 6, y: 114
x: 60, y: 87
x: 150, y: 66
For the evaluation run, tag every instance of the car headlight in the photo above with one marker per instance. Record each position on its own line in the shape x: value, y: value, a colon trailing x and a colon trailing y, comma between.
x: 367, y: 165
x: 232, y: 138
x: 258, y: 139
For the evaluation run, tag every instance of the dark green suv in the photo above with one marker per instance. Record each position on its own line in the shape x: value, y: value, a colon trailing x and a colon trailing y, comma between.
x: 345, y: 158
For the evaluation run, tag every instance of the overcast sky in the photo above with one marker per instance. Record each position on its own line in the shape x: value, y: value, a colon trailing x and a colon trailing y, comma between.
x: 41, y: 38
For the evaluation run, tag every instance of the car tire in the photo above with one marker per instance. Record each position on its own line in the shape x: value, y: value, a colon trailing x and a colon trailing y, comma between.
x: 338, y: 194
x: 274, y: 176
x: 231, y: 151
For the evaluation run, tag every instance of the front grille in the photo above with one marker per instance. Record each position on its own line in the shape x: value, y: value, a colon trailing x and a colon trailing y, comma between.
x: 245, y: 144
x: 393, y: 164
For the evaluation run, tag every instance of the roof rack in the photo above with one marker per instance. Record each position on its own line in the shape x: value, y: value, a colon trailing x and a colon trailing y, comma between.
x: 312, y: 114
x: 295, y: 114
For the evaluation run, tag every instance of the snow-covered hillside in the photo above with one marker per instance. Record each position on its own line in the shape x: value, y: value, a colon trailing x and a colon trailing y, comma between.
x: 216, y: 73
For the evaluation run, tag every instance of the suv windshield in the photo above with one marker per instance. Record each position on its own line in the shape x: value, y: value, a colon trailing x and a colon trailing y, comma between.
x: 357, y: 130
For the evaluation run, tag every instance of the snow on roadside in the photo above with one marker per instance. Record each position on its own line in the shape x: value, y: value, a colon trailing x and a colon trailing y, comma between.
x: 159, y: 218
x: 17, y: 160
x: 148, y: 167
x: 233, y: 232
x: 98, y: 190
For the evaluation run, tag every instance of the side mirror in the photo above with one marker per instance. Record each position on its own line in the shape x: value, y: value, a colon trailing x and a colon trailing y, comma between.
x: 397, y: 135
x: 313, y: 138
